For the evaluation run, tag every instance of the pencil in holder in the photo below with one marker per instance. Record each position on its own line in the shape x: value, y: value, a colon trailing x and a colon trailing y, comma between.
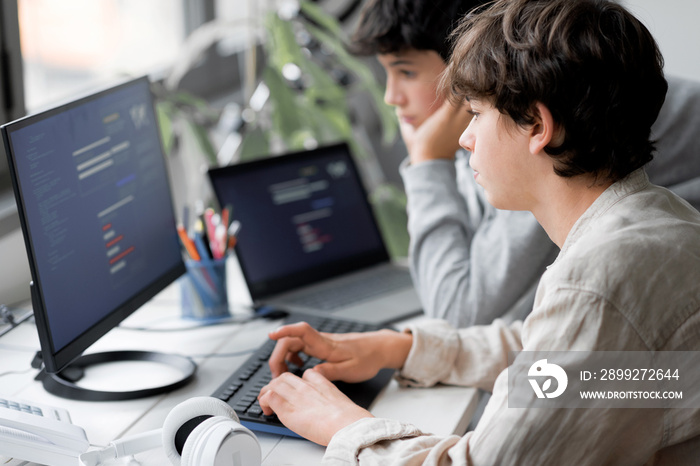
x: 203, y: 290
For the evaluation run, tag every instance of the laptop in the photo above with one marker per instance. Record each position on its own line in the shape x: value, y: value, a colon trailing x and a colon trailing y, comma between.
x: 309, y: 241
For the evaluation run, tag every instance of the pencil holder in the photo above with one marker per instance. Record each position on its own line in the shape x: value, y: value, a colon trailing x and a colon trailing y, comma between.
x: 203, y: 290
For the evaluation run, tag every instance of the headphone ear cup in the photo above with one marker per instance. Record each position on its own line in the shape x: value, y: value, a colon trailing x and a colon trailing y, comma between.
x: 205, y: 439
x: 188, y: 410
x: 221, y: 441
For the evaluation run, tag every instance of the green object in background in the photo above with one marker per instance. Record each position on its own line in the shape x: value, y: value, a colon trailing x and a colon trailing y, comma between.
x: 255, y: 145
x: 389, y: 204
x: 185, y: 109
x: 314, y: 109
x: 306, y: 108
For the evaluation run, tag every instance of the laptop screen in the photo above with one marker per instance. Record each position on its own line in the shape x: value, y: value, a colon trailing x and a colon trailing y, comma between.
x: 304, y: 217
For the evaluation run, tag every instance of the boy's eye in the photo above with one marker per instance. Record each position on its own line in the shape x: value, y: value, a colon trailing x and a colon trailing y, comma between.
x: 473, y: 113
x: 408, y: 73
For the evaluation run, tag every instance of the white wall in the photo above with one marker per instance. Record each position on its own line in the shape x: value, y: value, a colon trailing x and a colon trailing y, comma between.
x: 674, y: 24
x: 14, y: 268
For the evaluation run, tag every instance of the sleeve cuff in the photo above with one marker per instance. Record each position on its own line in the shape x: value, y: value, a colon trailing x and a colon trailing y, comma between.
x: 428, y: 172
x: 346, y: 444
x: 433, y: 352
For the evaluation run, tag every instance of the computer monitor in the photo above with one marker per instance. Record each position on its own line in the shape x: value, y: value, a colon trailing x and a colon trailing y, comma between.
x: 96, y: 211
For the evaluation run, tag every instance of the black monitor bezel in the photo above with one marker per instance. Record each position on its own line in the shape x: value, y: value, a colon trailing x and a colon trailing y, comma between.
x: 292, y: 281
x: 56, y: 360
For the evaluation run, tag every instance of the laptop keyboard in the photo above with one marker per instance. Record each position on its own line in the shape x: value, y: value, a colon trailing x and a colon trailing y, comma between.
x: 363, y: 287
x: 241, y: 389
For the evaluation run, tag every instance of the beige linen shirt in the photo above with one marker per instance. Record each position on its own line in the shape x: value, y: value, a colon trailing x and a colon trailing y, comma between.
x: 627, y: 278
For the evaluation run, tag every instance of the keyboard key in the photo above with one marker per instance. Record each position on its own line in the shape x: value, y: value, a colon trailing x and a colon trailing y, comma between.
x: 249, y: 399
x: 255, y: 410
x: 241, y: 407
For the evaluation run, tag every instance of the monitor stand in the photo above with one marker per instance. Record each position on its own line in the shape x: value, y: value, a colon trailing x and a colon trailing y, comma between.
x: 63, y: 383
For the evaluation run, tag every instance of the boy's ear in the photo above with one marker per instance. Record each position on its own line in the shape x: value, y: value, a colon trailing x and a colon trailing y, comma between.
x: 544, y: 131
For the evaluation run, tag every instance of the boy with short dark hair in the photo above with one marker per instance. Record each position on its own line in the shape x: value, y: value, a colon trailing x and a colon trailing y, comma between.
x: 393, y: 26
x: 552, y: 136
x: 470, y: 262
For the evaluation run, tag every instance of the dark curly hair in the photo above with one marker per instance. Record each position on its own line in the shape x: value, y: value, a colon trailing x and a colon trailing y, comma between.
x: 390, y: 26
x: 590, y: 62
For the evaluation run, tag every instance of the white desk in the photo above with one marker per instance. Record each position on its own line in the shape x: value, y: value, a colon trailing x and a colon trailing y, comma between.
x: 105, y: 421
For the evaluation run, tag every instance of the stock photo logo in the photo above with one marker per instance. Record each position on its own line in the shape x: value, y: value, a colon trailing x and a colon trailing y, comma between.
x: 541, y: 369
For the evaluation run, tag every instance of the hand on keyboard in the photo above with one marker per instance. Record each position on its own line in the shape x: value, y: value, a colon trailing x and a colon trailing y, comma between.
x: 350, y: 357
x: 310, y: 405
x: 242, y: 388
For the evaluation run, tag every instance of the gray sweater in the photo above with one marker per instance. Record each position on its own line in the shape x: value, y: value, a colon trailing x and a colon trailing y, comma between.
x: 472, y: 263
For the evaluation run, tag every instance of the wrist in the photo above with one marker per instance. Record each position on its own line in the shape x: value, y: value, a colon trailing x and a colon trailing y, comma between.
x: 397, y: 345
x: 341, y: 419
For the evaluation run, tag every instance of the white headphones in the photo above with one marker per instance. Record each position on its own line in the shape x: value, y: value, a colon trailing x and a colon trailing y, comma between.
x: 201, y: 431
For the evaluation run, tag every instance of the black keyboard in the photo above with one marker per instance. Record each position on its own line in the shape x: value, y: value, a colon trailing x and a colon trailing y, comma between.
x: 241, y: 389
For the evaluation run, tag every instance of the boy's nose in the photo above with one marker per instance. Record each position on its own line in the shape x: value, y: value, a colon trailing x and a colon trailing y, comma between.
x: 466, y: 140
x: 393, y: 95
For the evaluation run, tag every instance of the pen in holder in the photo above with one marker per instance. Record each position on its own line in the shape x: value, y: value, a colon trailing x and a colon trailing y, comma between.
x: 203, y: 290
x: 204, y: 287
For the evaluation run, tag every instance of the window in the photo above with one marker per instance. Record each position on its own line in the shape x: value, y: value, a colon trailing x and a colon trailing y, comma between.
x: 72, y: 46
x: 54, y: 50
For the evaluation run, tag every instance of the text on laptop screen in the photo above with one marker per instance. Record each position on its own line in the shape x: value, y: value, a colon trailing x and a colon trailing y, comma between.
x: 300, y: 214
